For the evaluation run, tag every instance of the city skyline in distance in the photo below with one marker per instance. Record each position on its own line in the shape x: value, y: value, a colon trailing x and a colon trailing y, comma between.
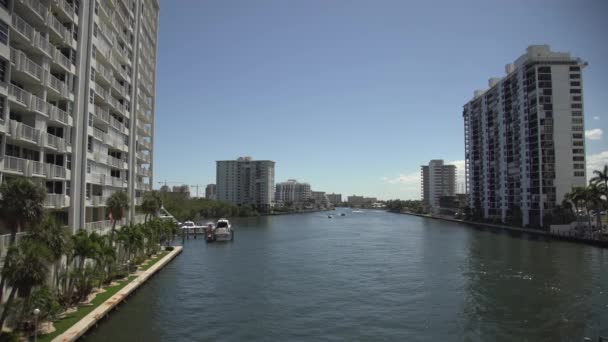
x: 357, y: 102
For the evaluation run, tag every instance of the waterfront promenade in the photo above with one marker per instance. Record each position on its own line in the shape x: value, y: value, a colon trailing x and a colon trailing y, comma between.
x: 90, y: 320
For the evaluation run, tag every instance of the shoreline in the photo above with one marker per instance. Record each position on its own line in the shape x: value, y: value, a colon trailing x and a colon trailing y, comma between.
x: 536, y: 232
x: 92, y: 318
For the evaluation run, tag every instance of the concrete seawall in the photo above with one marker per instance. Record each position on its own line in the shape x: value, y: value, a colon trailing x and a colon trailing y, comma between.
x: 561, y: 237
x: 90, y: 320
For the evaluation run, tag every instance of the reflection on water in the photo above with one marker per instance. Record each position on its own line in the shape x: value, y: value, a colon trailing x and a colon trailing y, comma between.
x: 369, y: 276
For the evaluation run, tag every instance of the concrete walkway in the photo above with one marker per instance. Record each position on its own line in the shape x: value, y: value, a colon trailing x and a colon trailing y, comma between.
x: 88, y: 321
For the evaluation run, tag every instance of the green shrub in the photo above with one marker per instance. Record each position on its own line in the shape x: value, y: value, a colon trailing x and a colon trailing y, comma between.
x: 169, y: 248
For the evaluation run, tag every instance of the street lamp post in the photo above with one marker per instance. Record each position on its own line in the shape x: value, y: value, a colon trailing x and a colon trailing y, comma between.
x: 36, y: 313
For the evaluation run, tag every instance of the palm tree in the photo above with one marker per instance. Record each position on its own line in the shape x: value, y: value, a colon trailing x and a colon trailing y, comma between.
x: 22, y: 204
x: 151, y: 204
x: 116, y: 205
x: 56, y: 237
x: 26, y: 267
x: 601, y: 177
x: 594, y: 194
x: 576, y: 196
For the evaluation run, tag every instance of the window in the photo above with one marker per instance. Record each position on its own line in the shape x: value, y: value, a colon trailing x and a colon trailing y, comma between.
x: 2, y: 106
x: 577, y: 98
x: 579, y: 174
x: 577, y: 105
x: 577, y: 136
x: 2, y: 70
x: 577, y: 128
x: 578, y: 151
x: 575, y: 68
x: 579, y: 166
x: 3, y: 32
x: 575, y: 76
x: 575, y: 91
x: 91, y: 96
x: 88, y: 166
x: 578, y: 158
x: 92, y: 74
x: 577, y: 113
x: 575, y: 84
x: 577, y: 121
x: 577, y: 143
x: 90, y: 143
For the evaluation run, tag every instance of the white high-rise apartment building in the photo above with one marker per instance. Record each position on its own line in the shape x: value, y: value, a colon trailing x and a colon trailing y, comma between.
x: 292, y: 191
x: 246, y: 182
x: 525, y: 138
x: 77, y: 89
x: 437, y: 180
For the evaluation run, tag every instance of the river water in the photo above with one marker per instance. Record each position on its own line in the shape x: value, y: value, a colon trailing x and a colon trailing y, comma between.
x: 369, y: 276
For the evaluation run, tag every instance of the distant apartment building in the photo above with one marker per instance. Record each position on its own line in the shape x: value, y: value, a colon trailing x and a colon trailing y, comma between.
x: 320, y: 198
x: 293, y: 192
x: 183, y: 189
x: 77, y: 91
x: 360, y: 201
x: 438, y: 180
x: 525, y: 138
x: 334, y: 199
x: 246, y: 182
x: 210, y: 192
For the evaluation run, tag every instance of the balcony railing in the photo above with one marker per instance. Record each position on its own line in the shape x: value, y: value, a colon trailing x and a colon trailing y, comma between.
x: 57, y: 201
x: 23, y: 131
x: 20, y: 95
x: 24, y: 64
x: 5, y: 242
x: 28, y: 167
x: 23, y: 27
x: 58, y: 114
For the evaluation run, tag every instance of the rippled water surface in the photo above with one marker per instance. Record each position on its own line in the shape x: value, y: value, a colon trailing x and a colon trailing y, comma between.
x: 369, y: 276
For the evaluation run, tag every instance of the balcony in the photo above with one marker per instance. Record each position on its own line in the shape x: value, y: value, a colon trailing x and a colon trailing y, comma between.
x: 23, y: 28
x: 22, y: 63
x: 20, y: 131
x: 31, y: 168
x: 144, y: 129
x: 62, y: 60
x: 57, y: 201
x: 100, y: 91
x: 145, y: 145
x: 144, y: 172
x: 60, y: 31
x: 143, y: 156
x: 21, y: 96
x: 55, y: 142
x: 102, y: 114
x: 67, y: 9
x: 59, y: 86
x: 37, y: 7
x: 97, y: 201
x: 103, y: 227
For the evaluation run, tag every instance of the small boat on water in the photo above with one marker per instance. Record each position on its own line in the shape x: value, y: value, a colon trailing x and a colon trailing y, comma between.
x: 343, y: 214
x: 223, y: 230
x: 329, y: 216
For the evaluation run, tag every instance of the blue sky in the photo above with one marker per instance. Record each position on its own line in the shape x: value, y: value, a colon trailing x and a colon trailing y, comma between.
x: 350, y: 96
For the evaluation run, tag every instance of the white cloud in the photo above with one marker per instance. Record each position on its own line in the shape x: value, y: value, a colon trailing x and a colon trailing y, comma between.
x: 596, y: 118
x: 409, y: 179
x: 596, y: 162
x: 594, y: 134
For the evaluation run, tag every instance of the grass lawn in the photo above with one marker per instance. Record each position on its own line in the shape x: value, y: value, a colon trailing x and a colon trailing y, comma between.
x: 153, y: 261
x: 65, y: 323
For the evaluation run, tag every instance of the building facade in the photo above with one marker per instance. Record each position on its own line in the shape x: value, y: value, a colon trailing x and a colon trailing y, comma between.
x: 360, y: 201
x: 246, y: 182
x: 438, y: 180
x: 525, y: 138
x: 77, y: 89
x: 210, y: 192
x: 320, y: 198
x: 334, y: 199
x: 293, y: 192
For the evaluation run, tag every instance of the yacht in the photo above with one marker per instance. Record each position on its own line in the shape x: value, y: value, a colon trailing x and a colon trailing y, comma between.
x: 223, y: 231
